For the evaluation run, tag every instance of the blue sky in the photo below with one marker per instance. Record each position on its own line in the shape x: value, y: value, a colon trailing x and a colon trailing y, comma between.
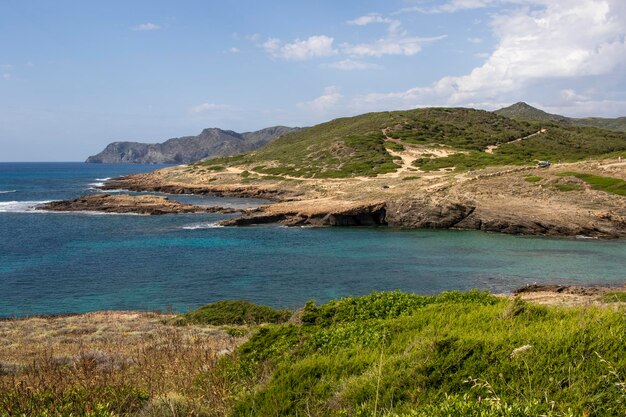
x: 76, y: 75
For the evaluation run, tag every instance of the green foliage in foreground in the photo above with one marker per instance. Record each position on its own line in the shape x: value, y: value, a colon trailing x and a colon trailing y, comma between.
x: 233, y: 312
x: 606, y: 184
x: 456, y: 354
x: 104, y: 401
x: 533, y: 178
x: 614, y: 297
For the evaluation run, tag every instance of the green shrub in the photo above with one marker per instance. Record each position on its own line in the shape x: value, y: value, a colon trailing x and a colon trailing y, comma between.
x: 234, y: 312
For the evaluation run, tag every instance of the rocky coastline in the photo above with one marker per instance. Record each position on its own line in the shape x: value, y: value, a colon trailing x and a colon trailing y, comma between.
x: 128, y: 204
x: 499, y: 201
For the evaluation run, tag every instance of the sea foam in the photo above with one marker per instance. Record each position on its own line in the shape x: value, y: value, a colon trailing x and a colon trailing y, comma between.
x: 8, y: 192
x: 19, y: 206
x: 197, y: 226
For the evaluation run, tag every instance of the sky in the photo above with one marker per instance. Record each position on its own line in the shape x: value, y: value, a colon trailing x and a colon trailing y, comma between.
x: 76, y: 75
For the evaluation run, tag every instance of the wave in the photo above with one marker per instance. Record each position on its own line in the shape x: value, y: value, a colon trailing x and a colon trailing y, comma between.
x: 8, y: 192
x: 198, y: 226
x: 103, y: 179
x: 19, y: 206
x: 96, y: 184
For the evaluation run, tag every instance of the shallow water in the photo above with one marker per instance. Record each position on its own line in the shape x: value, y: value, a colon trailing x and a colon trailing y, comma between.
x: 76, y: 262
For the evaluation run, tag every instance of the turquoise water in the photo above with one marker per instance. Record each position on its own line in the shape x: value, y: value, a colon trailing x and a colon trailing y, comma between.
x: 77, y: 262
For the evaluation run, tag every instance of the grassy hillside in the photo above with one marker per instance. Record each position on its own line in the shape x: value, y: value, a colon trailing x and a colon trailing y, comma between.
x: 358, y: 146
x: 387, y: 354
x: 558, y: 143
x: 523, y: 111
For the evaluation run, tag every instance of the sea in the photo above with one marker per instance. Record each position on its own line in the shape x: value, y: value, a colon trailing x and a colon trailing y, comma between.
x: 57, y: 263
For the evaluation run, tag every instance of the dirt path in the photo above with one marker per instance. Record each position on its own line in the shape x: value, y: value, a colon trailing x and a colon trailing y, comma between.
x: 492, y: 148
x: 410, y: 154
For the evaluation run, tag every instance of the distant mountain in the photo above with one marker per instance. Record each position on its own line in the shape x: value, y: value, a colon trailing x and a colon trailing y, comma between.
x: 211, y: 142
x: 523, y: 111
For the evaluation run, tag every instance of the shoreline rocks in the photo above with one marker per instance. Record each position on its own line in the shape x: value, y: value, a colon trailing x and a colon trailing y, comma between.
x: 122, y: 203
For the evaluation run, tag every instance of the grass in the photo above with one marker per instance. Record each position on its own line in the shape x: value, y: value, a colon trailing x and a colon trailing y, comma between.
x: 410, y: 178
x: 607, y: 184
x: 107, y: 364
x: 408, y: 355
x: 532, y: 178
x: 614, y: 297
x: 390, y: 354
x: 233, y: 312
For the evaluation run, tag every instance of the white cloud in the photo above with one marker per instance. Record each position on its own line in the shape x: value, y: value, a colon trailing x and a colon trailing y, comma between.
x: 298, y: 50
x: 394, y: 24
x: 351, y: 65
x: 396, y: 42
x: 6, y: 76
x: 234, y: 50
x: 6, y: 67
x: 324, y: 103
x: 146, y: 27
x: 565, y: 41
x: 393, y: 45
x: 475, y: 40
x: 206, y: 107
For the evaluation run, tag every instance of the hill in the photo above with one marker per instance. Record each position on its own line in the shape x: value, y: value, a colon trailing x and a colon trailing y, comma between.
x: 523, y: 111
x: 428, y: 139
x: 210, y: 143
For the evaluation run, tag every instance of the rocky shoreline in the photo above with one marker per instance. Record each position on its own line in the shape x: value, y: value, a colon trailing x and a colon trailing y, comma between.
x: 127, y: 204
x: 499, y: 201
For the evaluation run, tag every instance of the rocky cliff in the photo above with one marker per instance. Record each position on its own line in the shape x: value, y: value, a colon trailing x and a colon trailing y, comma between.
x: 211, y: 142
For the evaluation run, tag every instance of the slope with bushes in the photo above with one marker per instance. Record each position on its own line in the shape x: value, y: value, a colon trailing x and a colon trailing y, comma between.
x: 361, y: 145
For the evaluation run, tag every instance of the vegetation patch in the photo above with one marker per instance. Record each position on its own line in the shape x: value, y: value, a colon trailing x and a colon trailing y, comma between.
x: 356, y: 146
x: 532, y: 178
x: 394, y: 146
x: 410, y: 178
x: 389, y: 354
x: 470, y: 354
x: 607, y: 184
x: 614, y: 297
x: 234, y: 312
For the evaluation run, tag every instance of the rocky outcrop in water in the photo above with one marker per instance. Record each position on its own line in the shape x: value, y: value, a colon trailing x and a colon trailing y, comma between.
x: 144, y: 204
x: 210, y: 143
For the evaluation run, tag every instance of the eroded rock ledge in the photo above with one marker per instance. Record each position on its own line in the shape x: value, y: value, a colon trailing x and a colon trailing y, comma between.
x: 143, y: 204
x: 420, y: 214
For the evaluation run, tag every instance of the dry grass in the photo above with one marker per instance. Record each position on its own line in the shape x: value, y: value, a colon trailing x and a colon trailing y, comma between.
x: 110, y: 362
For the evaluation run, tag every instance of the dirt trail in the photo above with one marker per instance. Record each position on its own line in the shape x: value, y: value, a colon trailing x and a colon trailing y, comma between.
x: 492, y: 148
x: 410, y: 154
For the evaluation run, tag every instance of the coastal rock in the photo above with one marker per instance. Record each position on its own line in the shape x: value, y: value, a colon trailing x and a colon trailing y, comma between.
x: 143, y: 204
x: 371, y: 214
x: 427, y: 214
